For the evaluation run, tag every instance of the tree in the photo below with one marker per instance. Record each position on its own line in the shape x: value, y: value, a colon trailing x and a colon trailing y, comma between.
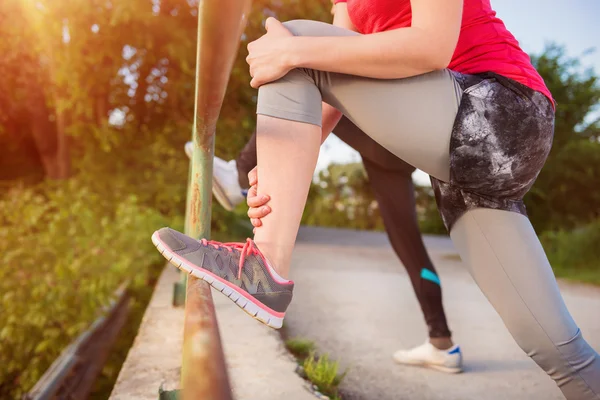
x: 566, y: 192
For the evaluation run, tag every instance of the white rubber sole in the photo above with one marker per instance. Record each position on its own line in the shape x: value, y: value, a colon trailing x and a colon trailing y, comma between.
x: 239, y: 297
x: 448, y: 370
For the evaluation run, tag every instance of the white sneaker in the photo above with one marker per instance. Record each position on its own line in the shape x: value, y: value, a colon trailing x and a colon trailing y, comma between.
x: 427, y: 355
x: 189, y: 149
x: 226, y: 186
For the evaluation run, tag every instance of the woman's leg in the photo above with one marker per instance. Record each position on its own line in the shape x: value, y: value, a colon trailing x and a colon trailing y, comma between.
x: 289, y: 125
x: 507, y: 261
x: 394, y: 192
x: 391, y: 181
x: 287, y: 155
x: 425, y: 107
x: 288, y: 137
x: 500, y: 242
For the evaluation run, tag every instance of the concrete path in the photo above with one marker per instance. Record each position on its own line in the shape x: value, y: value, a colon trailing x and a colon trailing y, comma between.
x: 354, y: 299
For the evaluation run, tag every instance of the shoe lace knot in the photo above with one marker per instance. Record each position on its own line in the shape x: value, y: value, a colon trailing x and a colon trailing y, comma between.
x: 246, y: 249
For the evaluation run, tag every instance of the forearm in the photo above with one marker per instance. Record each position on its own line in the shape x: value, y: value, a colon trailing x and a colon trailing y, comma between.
x: 386, y: 55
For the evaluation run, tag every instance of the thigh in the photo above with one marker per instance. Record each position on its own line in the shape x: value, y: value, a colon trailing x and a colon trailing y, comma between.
x: 411, y: 117
x: 370, y: 150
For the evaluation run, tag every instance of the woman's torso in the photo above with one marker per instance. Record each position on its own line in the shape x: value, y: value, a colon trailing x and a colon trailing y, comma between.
x: 484, y: 43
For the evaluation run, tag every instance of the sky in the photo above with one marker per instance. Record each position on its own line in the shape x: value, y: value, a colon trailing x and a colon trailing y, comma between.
x: 572, y: 23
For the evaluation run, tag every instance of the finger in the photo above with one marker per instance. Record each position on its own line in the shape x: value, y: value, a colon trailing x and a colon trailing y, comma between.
x: 275, y: 26
x: 270, y: 23
x: 257, y: 201
x: 259, y: 212
x: 251, y: 195
x: 253, y: 176
x: 256, y: 223
x: 254, y: 231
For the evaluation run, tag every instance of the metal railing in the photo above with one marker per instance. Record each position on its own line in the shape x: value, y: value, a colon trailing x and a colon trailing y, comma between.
x: 73, y: 374
x: 220, y: 26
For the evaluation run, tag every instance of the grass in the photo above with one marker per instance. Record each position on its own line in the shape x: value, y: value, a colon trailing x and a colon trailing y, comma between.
x: 300, y: 348
x: 323, y: 372
x: 575, y: 255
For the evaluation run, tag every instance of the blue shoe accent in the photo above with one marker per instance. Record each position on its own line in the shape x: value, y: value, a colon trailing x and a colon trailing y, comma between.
x: 430, y: 276
x: 245, y: 192
x: 455, y: 351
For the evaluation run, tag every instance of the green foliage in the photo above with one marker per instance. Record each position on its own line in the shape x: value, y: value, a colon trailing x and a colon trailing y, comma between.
x: 68, y: 66
x: 428, y: 215
x: 64, y: 258
x: 342, y: 197
x: 324, y: 373
x: 301, y: 348
x: 566, y: 194
x: 70, y: 243
x: 575, y: 254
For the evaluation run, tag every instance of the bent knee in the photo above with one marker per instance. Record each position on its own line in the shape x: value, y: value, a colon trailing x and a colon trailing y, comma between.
x: 294, y: 97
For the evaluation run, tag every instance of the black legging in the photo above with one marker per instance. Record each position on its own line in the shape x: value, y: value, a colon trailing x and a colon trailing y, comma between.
x: 391, y: 181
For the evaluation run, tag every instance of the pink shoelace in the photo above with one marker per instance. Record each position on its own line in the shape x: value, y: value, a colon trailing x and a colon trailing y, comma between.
x: 246, y: 249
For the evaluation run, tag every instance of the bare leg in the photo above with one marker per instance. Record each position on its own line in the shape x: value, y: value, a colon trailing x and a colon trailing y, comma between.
x: 287, y: 156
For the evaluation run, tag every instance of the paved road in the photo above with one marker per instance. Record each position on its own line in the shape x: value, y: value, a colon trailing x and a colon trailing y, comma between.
x: 354, y: 299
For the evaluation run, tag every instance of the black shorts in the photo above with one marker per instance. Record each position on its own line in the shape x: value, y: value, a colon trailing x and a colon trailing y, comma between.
x: 501, y: 138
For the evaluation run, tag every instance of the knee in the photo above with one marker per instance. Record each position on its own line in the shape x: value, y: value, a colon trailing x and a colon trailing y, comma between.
x: 294, y: 97
x: 305, y: 27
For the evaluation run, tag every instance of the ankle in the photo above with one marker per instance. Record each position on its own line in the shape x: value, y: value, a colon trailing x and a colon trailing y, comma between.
x: 277, y: 264
x: 441, y: 343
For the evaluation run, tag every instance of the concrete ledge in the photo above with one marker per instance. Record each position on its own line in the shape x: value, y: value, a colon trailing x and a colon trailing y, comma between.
x: 155, y: 357
x: 259, y: 367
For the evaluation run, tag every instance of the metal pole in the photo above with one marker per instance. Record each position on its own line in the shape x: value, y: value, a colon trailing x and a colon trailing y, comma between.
x: 220, y: 26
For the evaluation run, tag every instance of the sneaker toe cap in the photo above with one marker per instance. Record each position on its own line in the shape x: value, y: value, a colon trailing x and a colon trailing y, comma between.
x: 176, y: 241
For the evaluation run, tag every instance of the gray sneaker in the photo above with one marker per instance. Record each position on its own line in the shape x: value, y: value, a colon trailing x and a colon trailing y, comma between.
x: 238, y: 270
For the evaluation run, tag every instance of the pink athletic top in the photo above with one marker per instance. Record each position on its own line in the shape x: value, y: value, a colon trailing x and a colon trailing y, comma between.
x: 484, y: 44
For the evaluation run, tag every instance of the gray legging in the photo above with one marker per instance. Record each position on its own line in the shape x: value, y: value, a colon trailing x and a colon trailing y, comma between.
x: 483, y: 139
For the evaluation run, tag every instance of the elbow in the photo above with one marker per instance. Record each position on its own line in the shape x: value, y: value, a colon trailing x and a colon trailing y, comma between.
x: 441, y: 51
x: 441, y: 63
x: 440, y: 60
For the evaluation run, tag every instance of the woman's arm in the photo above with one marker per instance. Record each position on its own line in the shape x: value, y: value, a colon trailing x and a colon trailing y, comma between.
x: 331, y: 116
x: 341, y: 17
x: 426, y: 46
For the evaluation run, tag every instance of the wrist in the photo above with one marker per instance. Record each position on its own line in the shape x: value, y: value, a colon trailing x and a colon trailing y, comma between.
x: 291, y: 53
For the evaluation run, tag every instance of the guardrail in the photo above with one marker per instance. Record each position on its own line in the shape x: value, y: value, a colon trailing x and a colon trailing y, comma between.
x: 73, y: 373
